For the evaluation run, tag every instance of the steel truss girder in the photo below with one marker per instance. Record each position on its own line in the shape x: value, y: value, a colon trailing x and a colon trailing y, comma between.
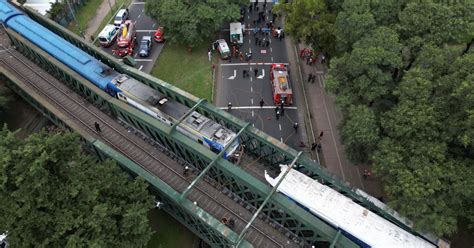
x: 261, y: 145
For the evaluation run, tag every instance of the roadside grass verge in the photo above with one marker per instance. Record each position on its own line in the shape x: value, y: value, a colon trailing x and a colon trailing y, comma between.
x: 119, y: 4
x: 169, y: 233
x: 84, y: 15
x: 189, y: 72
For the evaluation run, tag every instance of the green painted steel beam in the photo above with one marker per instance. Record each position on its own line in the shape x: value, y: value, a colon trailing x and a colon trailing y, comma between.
x: 186, y: 114
x: 246, y: 228
x: 209, y: 166
x: 334, y: 241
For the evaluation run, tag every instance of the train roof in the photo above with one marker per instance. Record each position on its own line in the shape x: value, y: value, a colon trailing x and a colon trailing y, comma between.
x: 7, y: 11
x: 68, y: 54
x: 172, y: 108
x: 341, y: 212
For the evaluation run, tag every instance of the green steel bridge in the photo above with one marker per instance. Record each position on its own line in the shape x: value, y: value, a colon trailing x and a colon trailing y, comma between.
x: 215, y: 189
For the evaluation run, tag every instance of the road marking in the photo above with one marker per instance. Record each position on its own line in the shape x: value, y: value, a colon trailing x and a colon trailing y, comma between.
x: 233, y: 64
x: 153, y: 25
x: 251, y: 80
x: 144, y: 60
x: 281, y: 139
x: 252, y: 113
x: 279, y: 125
x: 263, y: 51
x: 263, y: 74
x: 271, y: 49
x: 251, y: 100
x: 135, y: 55
x: 139, y: 16
x: 140, y: 68
x: 143, y: 10
x: 137, y: 3
x: 271, y: 58
x: 251, y: 89
x: 144, y: 30
x: 258, y: 107
x: 233, y: 77
x: 253, y: 124
x: 134, y: 22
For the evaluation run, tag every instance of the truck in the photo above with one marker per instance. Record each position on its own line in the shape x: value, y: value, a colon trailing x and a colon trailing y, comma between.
x: 281, y: 89
x: 126, y: 39
x: 236, y: 33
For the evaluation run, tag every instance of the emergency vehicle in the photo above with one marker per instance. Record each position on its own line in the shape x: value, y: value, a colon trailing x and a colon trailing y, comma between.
x: 236, y: 33
x: 280, y: 85
x: 126, y: 39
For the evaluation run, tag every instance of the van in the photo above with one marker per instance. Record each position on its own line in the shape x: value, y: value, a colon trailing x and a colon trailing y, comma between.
x: 223, y: 48
x: 121, y: 16
x: 107, y: 35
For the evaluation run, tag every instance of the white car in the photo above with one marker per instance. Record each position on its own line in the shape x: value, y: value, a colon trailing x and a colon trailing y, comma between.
x: 121, y: 17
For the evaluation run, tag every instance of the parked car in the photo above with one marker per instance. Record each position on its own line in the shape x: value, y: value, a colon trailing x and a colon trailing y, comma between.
x: 108, y: 35
x: 159, y: 35
x: 121, y: 17
x: 145, y: 46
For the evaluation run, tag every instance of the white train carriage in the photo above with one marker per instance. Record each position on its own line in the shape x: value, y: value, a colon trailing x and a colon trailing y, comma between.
x: 195, y: 126
x: 355, y: 222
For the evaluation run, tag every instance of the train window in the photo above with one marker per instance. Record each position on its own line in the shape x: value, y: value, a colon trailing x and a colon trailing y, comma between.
x: 200, y: 141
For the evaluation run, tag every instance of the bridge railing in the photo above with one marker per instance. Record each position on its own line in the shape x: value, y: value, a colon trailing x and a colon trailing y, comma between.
x: 270, y: 150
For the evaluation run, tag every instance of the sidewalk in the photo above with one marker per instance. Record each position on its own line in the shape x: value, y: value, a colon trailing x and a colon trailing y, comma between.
x: 325, y: 117
x: 95, y: 22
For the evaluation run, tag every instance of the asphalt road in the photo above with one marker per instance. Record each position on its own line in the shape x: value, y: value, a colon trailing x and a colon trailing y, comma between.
x: 144, y: 26
x: 246, y: 93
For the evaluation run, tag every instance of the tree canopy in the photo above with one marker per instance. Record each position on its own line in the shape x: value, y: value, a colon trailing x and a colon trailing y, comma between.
x: 192, y: 22
x: 403, y: 74
x: 53, y: 195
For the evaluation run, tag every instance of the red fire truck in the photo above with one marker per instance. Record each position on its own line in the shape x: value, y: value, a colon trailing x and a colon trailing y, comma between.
x: 280, y: 84
x: 126, y: 39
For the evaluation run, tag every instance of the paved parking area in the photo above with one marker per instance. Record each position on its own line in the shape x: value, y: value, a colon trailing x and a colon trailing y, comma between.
x: 144, y: 26
x: 246, y: 93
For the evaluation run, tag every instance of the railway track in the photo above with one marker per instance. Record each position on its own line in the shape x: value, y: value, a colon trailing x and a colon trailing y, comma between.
x: 261, y: 233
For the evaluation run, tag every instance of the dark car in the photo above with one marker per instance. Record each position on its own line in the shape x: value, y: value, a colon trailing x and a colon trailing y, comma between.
x: 145, y: 46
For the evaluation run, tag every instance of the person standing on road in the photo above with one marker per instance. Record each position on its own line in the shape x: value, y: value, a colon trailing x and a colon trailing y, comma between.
x: 255, y: 71
x: 209, y: 54
x: 313, y: 79
x: 278, y: 114
x: 310, y: 76
x: 261, y: 103
x: 282, y: 106
x: 97, y: 127
x: 295, y: 126
x: 313, y: 146
x: 229, y: 106
x: 244, y: 73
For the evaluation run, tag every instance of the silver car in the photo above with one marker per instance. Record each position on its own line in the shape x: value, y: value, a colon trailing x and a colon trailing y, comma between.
x: 145, y: 46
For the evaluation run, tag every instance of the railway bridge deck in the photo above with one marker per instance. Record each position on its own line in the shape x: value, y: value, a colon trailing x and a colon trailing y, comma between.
x: 81, y: 115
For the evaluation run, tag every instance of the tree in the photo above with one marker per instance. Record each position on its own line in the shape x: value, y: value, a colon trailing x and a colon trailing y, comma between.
x: 310, y: 21
x: 192, y: 22
x: 360, y: 133
x: 53, y: 195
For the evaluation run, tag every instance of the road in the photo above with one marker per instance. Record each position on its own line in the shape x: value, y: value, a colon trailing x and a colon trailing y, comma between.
x: 144, y: 26
x: 246, y: 93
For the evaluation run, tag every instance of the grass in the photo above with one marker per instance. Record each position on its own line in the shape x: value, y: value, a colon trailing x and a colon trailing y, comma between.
x: 84, y: 15
x: 189, y: 72
x: 169, y: 233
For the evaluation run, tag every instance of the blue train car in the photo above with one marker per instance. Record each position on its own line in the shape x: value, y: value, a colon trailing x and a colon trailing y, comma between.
x: 73, y: 57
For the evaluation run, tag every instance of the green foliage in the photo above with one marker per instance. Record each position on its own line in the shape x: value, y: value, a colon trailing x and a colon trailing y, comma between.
x: 192, y: 22
x: 405, y: 83
x: 53, y: 195
x: 55, y: 10
x: 310, y: 21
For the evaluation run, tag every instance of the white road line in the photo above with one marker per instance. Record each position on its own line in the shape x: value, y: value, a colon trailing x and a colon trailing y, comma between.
x: 252, y: 113
x: 144, y: 30
x: 249, y: 41
x: 140, y: 15
x: 134, y: 22
x: 281, y: 139
x: 234, y: 64
x: 137, y: 3
x: 279, y: 125
x: 251, y: 79
x: 233, y: 76
x: 263, y: 74
x: 144, y: 60
x: 143, y: 10
x: 135, y: 55
x: 271, y: 49
x: 271, y: 58
x: 251, y: 89
x: 251, y: 100
x: 153, y: 25
x: 258, y: 107
x: 253, y: 124
x: 140, y: 68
